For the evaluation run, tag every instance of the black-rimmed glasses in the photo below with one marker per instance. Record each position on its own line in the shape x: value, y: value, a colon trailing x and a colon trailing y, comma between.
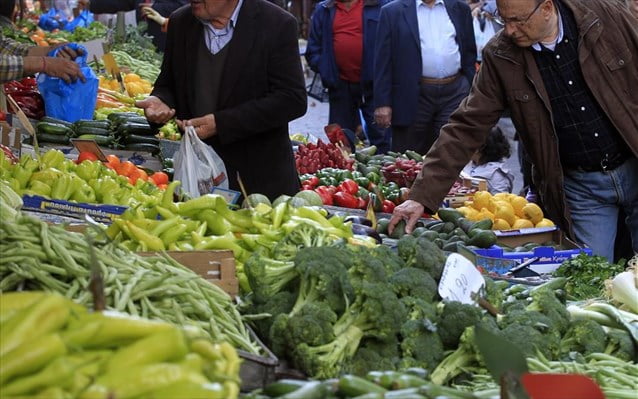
x: 516, y: 21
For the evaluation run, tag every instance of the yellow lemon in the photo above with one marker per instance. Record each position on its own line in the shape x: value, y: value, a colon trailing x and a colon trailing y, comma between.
x: 485, y: 214
x: 501, y: 196
x: 467, y: 211
x: 505, y: 211
x: 532, y: 212
x: 518, y: 203
x: 500, y: 224
x: 481, y: 200
x: 545, y: 223
x: 522, y: 224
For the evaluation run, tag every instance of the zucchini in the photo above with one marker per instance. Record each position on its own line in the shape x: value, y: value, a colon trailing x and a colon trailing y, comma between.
x: 137, y: 139
x: 142, y: 147
x: 57, y: 121
x: 103, y: 124
x: 52, y: 138
x: 283, y: 387
x: 53, y: 129
x: 98, y: 131
x: 142, y: 129
x: 117, y: 116
x: 352, y: 386
x: 100, y: 140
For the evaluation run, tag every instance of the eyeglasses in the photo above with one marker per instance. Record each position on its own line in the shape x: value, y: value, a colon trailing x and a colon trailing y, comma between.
x: 516, y: 21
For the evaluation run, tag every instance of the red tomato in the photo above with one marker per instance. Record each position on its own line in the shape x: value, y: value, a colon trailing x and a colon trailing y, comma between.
x: 86, y: 156
x: 160, y: 178
x: 126, y: 168
x: 113, y: 160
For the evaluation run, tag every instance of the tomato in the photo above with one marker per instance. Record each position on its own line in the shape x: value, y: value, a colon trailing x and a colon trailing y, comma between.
x: 160, y: 178
x: 162, y: 186
x: 86, y: 156
x: 142, y: 174
x: 126, y: 168
x: 113, y: 160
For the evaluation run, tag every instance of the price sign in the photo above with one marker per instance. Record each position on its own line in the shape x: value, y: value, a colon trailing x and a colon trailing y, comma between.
x: 84, y: 145
x: 231, y: 196
x: 460, y: 280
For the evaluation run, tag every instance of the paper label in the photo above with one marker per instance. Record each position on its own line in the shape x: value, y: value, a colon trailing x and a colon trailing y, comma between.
x: 460, y: 280
x: 231, y: 196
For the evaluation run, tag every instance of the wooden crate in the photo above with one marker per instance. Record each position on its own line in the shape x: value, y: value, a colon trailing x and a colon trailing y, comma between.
x: 217, y: 267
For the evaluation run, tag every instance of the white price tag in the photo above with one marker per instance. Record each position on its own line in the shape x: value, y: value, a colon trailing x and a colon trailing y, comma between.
x: 460, y: 280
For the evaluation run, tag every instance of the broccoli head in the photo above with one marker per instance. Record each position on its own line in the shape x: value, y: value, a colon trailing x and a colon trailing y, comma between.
x: 366, y: 269
x: 621, y: 345
x: 414, y: 282
x: 423, y: 254
x: 528, y: 339
x: 323, y: 278
x: 419, y: 341
x: 494, y: 291
x: 303, y: 235
x: 279, y: 303
x: 584, y: 336
x: 546, y: 302
x: 313, y: 325
x: 268, y: 276
x: 374, y: 354
x: 418, y: 309
x: 454, y: 319
x: 391, y: 260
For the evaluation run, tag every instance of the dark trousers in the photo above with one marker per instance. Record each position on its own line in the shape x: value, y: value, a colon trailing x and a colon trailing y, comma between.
x: 348, y: 102
x: 436, y: 104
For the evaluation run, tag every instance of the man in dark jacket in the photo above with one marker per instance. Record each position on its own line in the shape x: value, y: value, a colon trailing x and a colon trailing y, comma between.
x: 232, y: 70
x: 341, y: 49
x: 424, y: 65
x: 567, y: 71
x: 163, y: 7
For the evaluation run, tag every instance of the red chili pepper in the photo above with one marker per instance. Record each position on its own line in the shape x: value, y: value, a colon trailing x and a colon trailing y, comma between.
x: 349, y: 186
x: 388, y: 206
x: 345, y: 200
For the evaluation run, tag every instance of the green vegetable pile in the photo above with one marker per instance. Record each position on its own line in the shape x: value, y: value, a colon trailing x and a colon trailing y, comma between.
x: 586, y: 275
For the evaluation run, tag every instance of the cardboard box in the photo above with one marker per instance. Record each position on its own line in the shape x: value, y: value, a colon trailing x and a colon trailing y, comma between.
x: 495, y: 259
x: 539, y: 235
x: 101, y: 213
x: 217, y: 267
x: 457, y: 201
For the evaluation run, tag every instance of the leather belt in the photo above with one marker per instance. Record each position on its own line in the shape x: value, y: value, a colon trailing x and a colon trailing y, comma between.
x: 439, y: 81
x: 607, y: 164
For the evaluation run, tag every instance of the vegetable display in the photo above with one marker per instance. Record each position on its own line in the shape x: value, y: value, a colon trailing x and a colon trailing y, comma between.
x: 37, y: 256
x: 51, y: 348
x: 26, y: 94
x: 311, y: 157
x: 586, y: 275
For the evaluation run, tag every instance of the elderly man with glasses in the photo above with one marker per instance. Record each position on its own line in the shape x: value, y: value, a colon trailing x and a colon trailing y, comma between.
x: 566, y: 70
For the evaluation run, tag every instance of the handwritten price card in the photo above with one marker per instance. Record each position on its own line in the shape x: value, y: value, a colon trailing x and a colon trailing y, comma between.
x: 461, y: 281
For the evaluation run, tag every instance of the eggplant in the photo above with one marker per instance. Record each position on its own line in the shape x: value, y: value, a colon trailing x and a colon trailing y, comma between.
x: 363, y: 230
x: 358, y: 220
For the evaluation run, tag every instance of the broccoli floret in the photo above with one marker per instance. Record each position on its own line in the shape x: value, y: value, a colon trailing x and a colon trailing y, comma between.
x: 419, y: 341
x: 528, y: 339
x: 323, y: 278
x: 279, y: 303
x: 423, y: 254
x: 454, y: 319
x: 302, y: 236
x: 268, y: 276
x: 584, y: 336
x: 376, y: 312
x: 621, y: 345
x: 494, y: 292
x: 546, y: 302
x: 418, y: 309
x: 374, y: 354
x: 312, y: 324
x: 391, y: 260
x: 414, y: 282
x: 466, y: 355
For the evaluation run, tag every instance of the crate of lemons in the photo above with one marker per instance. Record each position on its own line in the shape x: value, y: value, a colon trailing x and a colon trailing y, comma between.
x: 133, y: 84
x: 52, y: 348
x: 506, y: 210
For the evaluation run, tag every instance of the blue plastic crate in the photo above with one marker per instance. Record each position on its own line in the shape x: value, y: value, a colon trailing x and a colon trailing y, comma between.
x: 549, y: 258
x: 101, y: 213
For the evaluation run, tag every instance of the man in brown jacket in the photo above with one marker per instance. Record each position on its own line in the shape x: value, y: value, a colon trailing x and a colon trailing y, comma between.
x: 566, y: 70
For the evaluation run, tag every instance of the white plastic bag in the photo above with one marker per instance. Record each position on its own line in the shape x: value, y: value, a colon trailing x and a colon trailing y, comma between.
x: 198, y: 166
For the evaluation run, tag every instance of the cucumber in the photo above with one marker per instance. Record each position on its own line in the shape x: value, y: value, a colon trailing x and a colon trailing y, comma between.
x: 414, y: 155
x: 310, y: 390
x: 142, y: 147
x: 100, y: 140
x: 484, y: 239
x: 98, y: 131
x: 283, y: 387
x: 53, y: 129
x: 352, y: 386
x: 126, y: 128
x: 56, y: 121
x: 103, y: 124
x: 137, y: 139
x: 52, y: 138
x: 116, y: 116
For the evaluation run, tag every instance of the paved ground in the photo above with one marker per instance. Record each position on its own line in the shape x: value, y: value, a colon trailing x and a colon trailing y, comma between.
x: 316, y: 118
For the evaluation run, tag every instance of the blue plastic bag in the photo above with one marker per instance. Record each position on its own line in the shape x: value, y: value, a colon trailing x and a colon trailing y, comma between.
x: 52, y: 19
x: 70, y: 101
x: 83, y: 20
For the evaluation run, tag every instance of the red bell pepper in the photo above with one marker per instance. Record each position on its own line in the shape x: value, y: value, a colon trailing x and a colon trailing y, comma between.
x: 345, y: 200
x: 388, y: 206
x: 349, y: 186
x: 326, y: 196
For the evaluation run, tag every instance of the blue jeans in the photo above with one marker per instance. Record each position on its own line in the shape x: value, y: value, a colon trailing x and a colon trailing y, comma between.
x: 346, y: 101
x: 594, y: 199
